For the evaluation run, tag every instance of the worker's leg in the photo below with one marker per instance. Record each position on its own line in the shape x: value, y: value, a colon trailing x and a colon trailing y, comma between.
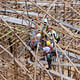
x: 53, y: 55
x: 58, y: 40
x: 31, y: 56
x: 49, y: 63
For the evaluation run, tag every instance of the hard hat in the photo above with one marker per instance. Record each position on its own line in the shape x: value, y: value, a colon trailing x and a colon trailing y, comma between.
x: 45, y: 20
x: 53, y: 32
x: 38, y: 35
x: 49, y: 33
x: 36, y: 18
x: 48, y: 43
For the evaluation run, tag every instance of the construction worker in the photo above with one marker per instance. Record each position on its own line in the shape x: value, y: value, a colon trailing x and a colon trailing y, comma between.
x: 49, y: 31
x: 55, y: 36
x: 49, y: 43
x: 45, y: 21
x: 47, y: 52
x: 35, y: 43
x: 38, y: 35
x: 31, y: 44
x: 34, y: 33
x: 44, y: 26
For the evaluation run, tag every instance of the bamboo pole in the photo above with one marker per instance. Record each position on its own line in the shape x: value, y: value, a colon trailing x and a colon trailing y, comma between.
x: 3, y: 77
x: 15, y: 64
x: 60, y: 70
x: 66, y: 29
x: 68, y: 59
x: 54, y: 40
x: 35, y: 73
x: 33, y: 54
x: 10, y: 45
x: 27, y: 48
x: 62, y: 27
x: 18, y: 62
x: 69, y: 6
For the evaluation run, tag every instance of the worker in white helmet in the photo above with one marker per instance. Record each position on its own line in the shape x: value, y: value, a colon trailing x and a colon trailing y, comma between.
x: 44, y: 27
x: 45, y: 20
x: 45, y: 24
x: 54, y: 32
x: 56, y: 36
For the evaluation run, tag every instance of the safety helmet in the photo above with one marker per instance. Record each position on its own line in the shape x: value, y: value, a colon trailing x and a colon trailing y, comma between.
x: 49, y: 33
x: 45, y: 20
x: 48, y: 43
x: 38, y: 35
x: 36, y: 18
x: 53, y: 32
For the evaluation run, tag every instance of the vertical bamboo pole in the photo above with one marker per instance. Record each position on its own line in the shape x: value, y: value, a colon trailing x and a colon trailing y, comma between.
x: 63, y: 42
x: 60, y: 70
x: 26, y: 5
x: 72, y: 14
x: 64, y: 12
x: 69, y: 68
x: 35, y: 73
x: 15, y: 2
x: 15, y: 64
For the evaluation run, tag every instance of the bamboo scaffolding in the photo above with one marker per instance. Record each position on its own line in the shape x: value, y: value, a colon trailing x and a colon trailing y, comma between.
x: 72, y: 64
x: 18, y: 36
x: 26, y: 47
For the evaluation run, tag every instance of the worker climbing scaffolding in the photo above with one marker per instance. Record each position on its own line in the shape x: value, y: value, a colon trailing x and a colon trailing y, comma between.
x: 37, y: 35
x: 49, y: 52
x: 47, y: 44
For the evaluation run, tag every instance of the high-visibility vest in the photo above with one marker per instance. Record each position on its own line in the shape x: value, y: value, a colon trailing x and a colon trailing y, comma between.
x: 56, y: 37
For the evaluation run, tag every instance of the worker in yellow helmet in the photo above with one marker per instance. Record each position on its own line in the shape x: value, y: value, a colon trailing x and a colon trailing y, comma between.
x: 47, y: 52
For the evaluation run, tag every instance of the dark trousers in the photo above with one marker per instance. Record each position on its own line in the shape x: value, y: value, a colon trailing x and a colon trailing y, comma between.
x: 58, y: 39
x: 31, y: 56
x: 49, y: 62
